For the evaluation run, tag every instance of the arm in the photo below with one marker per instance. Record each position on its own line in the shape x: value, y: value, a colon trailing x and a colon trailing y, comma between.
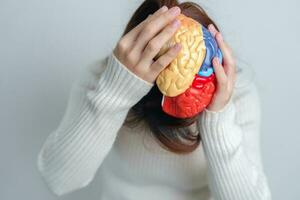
x: 97, y: 107
x: 231, y: 142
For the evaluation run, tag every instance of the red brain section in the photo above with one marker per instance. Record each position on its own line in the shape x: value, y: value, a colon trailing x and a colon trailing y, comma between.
x: 193, y: 100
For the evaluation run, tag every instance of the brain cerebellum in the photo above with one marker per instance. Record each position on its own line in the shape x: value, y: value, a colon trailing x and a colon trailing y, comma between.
x: 193, y: 100
x: 178, y: 76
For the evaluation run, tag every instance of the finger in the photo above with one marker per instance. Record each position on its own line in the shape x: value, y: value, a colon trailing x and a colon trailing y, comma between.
x: 229, y: 63
x: 155, y: 26
x: 157, y: 42
x: 220, y: 73
x: 212, y: 29
x: 165, y: 59
x: 214, y: 32
x: 131, y: 35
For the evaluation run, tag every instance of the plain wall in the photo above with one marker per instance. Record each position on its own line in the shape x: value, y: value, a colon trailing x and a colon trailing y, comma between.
x: 45, y: 44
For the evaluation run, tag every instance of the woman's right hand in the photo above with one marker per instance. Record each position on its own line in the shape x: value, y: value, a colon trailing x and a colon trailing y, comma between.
x: 136, y: 49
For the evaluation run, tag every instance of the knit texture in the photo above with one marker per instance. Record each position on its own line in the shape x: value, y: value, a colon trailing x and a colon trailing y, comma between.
x: 91, y: 138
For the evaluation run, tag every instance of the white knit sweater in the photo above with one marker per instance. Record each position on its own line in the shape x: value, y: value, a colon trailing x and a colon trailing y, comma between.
x: 130, y: 163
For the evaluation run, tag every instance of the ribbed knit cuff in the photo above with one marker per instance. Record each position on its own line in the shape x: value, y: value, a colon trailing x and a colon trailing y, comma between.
x: 118, y: 84
x: 116, y: 61
x: 219, y: 132
x: 219, y: 116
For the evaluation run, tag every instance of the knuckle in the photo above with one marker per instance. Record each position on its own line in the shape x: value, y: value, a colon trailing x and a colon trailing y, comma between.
x: 130, y: 57
x: 218, y: 35
x: 149, y: 18
x: 122, y: 45
x: 168, y: 16
x: 170, y: 30
x: 148, y: 29
x: 153, y: 45
x: 232, y: 62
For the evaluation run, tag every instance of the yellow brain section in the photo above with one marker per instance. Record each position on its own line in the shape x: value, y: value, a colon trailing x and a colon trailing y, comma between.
x: 180, y: 73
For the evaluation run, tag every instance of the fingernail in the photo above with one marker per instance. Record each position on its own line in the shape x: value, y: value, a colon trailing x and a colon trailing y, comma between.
x: 177, y: 46
x: 216, y: 60
x: 175, y: 10
x: 164, y: 8
x: 176, y: 23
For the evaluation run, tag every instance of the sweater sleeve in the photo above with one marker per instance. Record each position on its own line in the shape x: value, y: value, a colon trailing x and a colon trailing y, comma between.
x: 98, y: 104
x: 231, y: 142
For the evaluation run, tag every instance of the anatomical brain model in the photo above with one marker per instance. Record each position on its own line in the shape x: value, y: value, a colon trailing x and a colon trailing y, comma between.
x: 188, y: 82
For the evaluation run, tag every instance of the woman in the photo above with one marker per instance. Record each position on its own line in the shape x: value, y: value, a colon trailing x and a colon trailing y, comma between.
x: 214, y: 155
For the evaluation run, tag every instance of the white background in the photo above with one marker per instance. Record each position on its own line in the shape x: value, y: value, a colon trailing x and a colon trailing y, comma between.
x: 45, y: 44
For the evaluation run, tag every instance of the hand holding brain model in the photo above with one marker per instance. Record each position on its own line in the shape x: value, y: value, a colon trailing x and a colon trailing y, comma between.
x: 183, y: 73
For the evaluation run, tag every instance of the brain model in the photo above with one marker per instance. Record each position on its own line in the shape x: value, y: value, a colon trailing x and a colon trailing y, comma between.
x: 188, y: 82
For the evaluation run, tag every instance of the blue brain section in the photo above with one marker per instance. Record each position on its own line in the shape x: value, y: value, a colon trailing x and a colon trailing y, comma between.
x: 212, y: 50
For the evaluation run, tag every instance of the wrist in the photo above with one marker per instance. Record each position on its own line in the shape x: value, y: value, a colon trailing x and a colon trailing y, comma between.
x: 116, y: 82
x: 220, y: 116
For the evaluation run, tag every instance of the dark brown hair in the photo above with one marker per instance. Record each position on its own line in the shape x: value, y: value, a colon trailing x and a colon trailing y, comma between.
x: 174, y: 134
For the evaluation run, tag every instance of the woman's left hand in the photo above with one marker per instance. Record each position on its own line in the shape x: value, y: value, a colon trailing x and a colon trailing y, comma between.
x: 225, y: 75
